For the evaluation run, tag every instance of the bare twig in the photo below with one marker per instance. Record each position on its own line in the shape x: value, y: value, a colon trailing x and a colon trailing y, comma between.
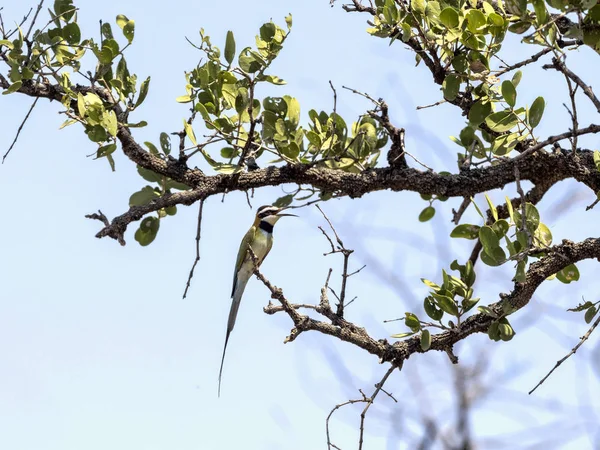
x: 198, y: 231
x: 369, y: 402
x: 559, y: 65
x: 19, y: 129
x: 456, y: 215
x: 31, y: 25
x: 572, y: 352
x: 530, y: 60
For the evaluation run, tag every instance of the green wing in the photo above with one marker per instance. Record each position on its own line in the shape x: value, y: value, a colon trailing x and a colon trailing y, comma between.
x: 249, y: 237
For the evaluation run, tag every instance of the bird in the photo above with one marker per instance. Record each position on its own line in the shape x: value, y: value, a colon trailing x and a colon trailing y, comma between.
x: 260, y: 238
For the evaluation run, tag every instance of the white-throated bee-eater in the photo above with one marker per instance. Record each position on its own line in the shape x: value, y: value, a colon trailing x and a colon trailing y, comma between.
x: 260, y: 238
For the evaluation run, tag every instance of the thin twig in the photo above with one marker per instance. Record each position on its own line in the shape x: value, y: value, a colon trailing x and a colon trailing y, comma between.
x: 532, y: 59
x: 431, y: 105
x: 370, y: 401
x: 572, y: 352
x: 559, y: 65
x: 37, y: 11
x: 198, y: 231
x: 20, y: 128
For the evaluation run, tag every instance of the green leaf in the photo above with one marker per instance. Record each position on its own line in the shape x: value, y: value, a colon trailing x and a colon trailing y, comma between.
x: 431, y: 284
x: 509, y: 93
x: 516, y: 79
x: 597, y: 159
x: 449, y: 17
x: 147, y: 175
x: 502, y: 121
x: 479, y: 111
x: 426, y: 340
x: 143, y: 92
x: 568, y: 274
x: 288, y: 21
x: 248, y: 61
x: 418, y: 6
x: 267, y: 31
x: 590, y: 313
x: 543, y: 235
x: 128, y: 30
x: 476, y: 21
x: 107, y: 31
x: 465, y: 231
x: 189, y: 132
x: 451, y: 86
x: 500, y: 227
x: 427, y: 214
x: 402, y: 335
x: 184, y: 99
x: 532, y: 218
x: 534, y: 115
x: 493, y: 209
x: 488, y: 238
x: 13, y: 88
x: 487, y: 311
x: 412, y: 322
x: 229, y: 47
x: 109, y: 121
x: 143, y: 196
x: 273, y: 79
x: 581, y: 307
x: 122, y: 21
x: 446, y: 304
x: 165, y: 143
x: 431, y: 309
x: 293, y: 110
x: 286, y: 200
x: 147, y: 231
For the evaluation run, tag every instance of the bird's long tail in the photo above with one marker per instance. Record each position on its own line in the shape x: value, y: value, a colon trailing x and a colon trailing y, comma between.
x: 236, y: 299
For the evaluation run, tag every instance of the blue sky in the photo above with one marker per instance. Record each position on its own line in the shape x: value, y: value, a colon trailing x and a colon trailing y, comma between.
x: 100, y: 351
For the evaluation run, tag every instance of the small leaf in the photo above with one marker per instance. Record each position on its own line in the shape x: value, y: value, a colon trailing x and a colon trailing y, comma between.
x: 143, y: 197
x: 184, y: 99
x: 581, y: 307
x: 128, y: 30
x: 426, y: 340
x: 502, y: 121
x: 449, y: 17
x: 427, y: 214
x: 488, y: 238
x: 147, y: 231
x: 509, y: 93
x: 516, y: 79
x: 597, y: 159
x: 451, y: 86
x: 446, y: 304
x: 229, y: 47
x: 143, y: 92
x: 402, y: 335
x: 431, y: 309
x: 165, y: 143
x: 487, y: 311
x: 465, y: 231
x: 534, y: 115
x: 189, y: 132
x: 568, y: 274
x: 479, y: 111
x: 286, y: 200
x: 492, y: 207
x: 590, y: 313
x: 412, y: 321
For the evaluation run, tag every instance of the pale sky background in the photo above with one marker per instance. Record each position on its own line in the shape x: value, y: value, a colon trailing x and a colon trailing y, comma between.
x: 100, y: 352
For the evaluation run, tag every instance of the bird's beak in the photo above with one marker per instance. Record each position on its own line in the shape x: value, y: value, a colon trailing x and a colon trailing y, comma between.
x: 279, y: 214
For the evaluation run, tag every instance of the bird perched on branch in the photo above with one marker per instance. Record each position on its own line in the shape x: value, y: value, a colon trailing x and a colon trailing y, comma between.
x: 260, y: 238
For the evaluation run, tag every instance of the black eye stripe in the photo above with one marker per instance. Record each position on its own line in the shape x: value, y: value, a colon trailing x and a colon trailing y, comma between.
x: 268, y: 210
